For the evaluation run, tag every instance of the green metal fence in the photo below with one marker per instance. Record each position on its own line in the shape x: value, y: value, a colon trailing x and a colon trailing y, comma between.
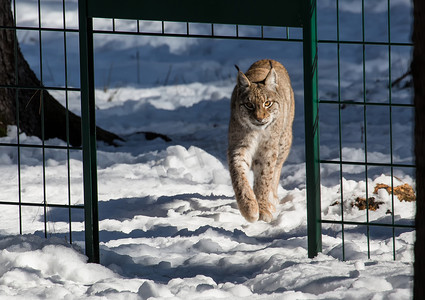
x: 82, y: 182
x: 391, y: 106
x: 29, y: 200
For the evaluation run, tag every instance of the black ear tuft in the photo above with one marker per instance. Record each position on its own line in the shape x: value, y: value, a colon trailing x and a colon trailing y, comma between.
x: 243, y: 81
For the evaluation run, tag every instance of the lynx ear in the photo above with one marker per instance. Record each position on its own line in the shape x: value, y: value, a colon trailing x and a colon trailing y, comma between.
x: 271, y: 80
x: 243, y: 81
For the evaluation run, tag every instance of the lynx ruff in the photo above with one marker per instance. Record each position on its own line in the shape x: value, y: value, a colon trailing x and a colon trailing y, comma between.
x: 260, y: 136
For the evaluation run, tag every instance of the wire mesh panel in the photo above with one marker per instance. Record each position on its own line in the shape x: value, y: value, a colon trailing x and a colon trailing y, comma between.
x: 365, y: 111
x: 41, y: 177
x: 47, y: 202
x: 366, y: 129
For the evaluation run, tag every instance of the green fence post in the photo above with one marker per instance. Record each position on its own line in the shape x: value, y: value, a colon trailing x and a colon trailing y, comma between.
x: 311, y: 107
x: 88, y: 128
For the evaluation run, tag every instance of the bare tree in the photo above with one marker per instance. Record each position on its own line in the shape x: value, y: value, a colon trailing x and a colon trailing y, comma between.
x: 418, y: 73
x: 19, y: 104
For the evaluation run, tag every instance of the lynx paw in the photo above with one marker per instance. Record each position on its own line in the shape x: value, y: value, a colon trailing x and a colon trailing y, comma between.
x: 266, y: 216
x: 266, y: 210
x: 249, y: 210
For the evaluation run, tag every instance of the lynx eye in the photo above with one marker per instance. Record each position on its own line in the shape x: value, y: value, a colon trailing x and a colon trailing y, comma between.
x: 249, y: 105
x: 268, y: 103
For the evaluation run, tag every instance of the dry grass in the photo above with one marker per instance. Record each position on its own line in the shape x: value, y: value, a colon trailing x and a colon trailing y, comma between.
x: 403, y: 192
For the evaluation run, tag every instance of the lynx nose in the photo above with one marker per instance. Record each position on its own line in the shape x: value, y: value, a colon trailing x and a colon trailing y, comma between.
x: 260, y: 121
x: 260, y: 118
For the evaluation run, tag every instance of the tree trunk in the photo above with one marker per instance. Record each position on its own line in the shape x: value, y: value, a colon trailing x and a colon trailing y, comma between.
x: 418, y: 73
x: 25, y: 107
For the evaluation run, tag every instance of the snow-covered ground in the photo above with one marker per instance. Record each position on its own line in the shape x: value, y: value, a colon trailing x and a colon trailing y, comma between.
x: 169, y: 224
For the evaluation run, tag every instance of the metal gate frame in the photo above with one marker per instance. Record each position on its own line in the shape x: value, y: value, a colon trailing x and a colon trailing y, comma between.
x: 285, y: 13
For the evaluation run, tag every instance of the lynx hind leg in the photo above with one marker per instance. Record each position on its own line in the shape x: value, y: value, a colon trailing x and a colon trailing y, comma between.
x: 283, y: 155
x: 273, y: 200
x: 275, y: 185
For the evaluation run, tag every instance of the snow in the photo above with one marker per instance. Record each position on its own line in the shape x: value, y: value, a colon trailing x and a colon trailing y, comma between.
x: 169, y: 224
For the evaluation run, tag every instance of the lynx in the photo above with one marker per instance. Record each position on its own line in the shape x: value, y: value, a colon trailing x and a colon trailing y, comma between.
x: 260, y: 136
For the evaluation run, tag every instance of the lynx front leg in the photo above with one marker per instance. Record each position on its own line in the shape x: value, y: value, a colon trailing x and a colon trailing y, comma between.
x: 263, y: 187
x: 239, y: 167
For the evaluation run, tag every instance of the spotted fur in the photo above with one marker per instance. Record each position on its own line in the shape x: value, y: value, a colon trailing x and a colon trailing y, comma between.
x: 260, y: 136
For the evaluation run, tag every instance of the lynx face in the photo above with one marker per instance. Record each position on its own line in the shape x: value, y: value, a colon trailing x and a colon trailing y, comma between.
x: 257, y: 100
x: 257, y: 106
